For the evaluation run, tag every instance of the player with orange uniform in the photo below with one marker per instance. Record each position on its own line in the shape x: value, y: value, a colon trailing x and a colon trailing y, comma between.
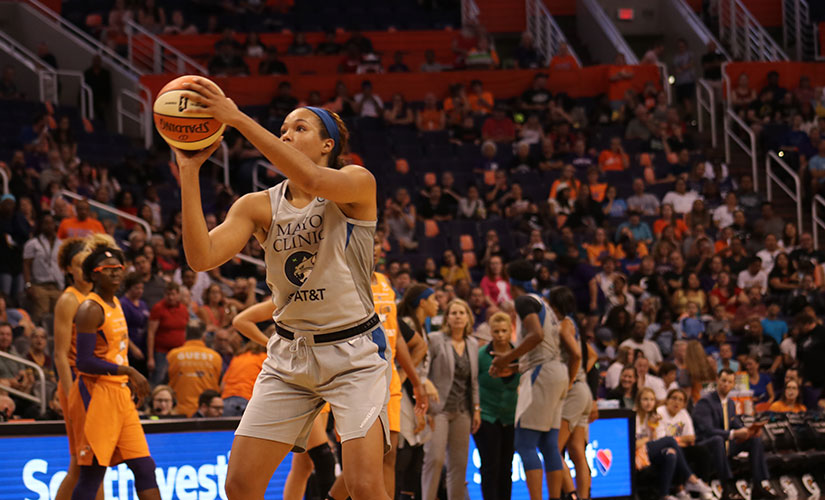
x: 100, y: 403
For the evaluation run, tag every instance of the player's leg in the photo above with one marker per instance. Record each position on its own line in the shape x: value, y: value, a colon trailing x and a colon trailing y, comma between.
x: 296, y: 481
x: 70, y: 481
x: 576, y: 448
x: 389, y: 464
x: 526, y: 443
x: 89, y: 480
x: 251, y: 465
x: 145, y: 484
x: 549, y: 447
x: 318, y: 457
x: 564, y: 436
x: 362, y: 457
x: 435, y: 451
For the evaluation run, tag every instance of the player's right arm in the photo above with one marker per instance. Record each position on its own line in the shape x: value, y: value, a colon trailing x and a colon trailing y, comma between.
x: 206, y: 249
x: 246, y: 322
x: 64, y: 312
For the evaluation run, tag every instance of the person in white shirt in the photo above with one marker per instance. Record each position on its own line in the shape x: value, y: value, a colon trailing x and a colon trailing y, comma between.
x: 681, y: 199
x: 648, y: 347
x: 723, y: 215
x: 367, y: 103
x: 754, y: 275
x: 614, y: 371
x: 645, y: 379
x: 769, y: 253
x: 676, y: 422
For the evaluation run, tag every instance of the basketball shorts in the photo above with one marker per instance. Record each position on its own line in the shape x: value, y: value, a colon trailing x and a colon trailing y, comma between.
x: 541, y: 393
x: 106, y: 422
x: 298, y: 376
x: 394, y: 405
x: 577, y: 405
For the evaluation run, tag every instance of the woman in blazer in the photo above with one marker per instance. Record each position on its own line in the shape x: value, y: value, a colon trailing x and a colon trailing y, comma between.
x: 457, y: 413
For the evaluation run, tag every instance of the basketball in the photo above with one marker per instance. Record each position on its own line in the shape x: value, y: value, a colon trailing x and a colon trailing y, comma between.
x: 177, y: 124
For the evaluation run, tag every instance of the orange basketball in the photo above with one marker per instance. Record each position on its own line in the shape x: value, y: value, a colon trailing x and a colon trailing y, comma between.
x: 178, y: 124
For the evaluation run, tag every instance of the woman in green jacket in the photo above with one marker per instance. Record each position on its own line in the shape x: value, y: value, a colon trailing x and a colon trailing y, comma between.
x: 494, y: 439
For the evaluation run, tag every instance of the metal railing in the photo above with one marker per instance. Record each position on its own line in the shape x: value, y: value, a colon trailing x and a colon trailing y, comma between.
x: 40, y: 375
x: 771, y: 177
x: 749, y: 148
x: 108, y: 208
x: 746, y: 39
x: 147, y: 50
x: 798, y: 33
x: 706, y: 102
x: 469, y: 12
x: 547, y: 35
x: 595, y: 9
x: 28, y: 60
x: 701, y: 30
x: 817, y: 222
x: 257, y: 185
x: 135, y: 108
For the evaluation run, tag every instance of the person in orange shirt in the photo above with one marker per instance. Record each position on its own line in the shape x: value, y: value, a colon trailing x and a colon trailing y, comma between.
x: 568, y: 180
x: 597, y: 189
x: 81, y: 225
x: 430, y: 118
x: 101, y: 397
x: 790, y: 400
x: 563, y: 60
x: 614, y: 159
x: 620, y: 75
x: 240, y: 378
x: 481, y: 101
x: 193, y: 368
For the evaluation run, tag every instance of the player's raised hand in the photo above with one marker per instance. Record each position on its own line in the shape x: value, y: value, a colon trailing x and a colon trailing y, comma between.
x: 210, y: 99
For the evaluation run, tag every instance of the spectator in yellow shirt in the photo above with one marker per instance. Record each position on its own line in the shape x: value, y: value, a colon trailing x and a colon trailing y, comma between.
x: 193, y: 368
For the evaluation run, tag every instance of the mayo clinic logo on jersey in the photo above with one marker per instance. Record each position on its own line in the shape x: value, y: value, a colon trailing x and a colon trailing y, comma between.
x: 293, y: 235
x: 298, y: 267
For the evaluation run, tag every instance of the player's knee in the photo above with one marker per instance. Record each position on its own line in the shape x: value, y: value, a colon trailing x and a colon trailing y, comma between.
x: 237, y: 487
x: 366, y: 486
x: 144, y: 470
x: 552, y: 456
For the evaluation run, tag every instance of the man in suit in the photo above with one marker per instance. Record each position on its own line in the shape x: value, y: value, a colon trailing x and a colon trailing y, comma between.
x: 720, y: 431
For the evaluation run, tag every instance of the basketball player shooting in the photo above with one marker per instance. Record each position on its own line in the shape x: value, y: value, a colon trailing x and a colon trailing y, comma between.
x: 317, y: 231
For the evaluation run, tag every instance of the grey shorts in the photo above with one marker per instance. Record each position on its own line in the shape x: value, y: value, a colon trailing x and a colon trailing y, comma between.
x: 577, y: 405
x: 548, y: 388
x: 298, y: 376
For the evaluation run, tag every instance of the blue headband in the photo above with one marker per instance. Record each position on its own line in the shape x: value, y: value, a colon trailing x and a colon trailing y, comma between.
x: 526, y: 285
x: 331, y: 127
x: 423, y: 296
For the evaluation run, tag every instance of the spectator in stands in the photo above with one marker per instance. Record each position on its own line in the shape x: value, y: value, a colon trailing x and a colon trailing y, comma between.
x: 253, y: 47
x: 753, y: 276
x: 42, y: 276
x: 772, y: 85
x: 811, y: 352
x: 719, y: 429
x: 614, y: 158
x: 680, y: 198
x: 328, y: 47
x: 299, y: 45
x: 759, y: 346
x: 398, y: 65
x: 210, y: 405
x: 790, y: 401
x: 154, y: 286
x: 495, y: 282
x: 712, y: 61
x: 342, y: 103
x: 640, y: 126
x: 537, y: 97
x: 480, y: 101
x: 642, y: 202
x: 637, y: 341
x: 217, y: 310
x: 81, y: 225
x: 654, y: 54
x: 13, y: 374
x: 193, y: 369
x: 430, y: 65
x: 363, y: 43
x: 8, y: 85
x: 151, y: 16
x: 351, y: 60
x: 620, y: 76
x: 368, y: 104
x: 282, y: 103
x: 167, y: 330
x: 684, y: 71
x: 136, y: 313
x: 639, y: 229
x: 742, y: 95
x: 563, y: 60
x: 466, y: 40
x: 179, y: 25
x: 498, y: 127
x: 676, y: 422
x: 760, y: 383
x: 627, y: 389
x: 163, y: 404
x: 240, y: 377
x: 401, y: 217
x: 399, y: 113
x: 816, y: 169
x: 227, y: 62
x: 526, y: 55
x: 430, y: 118
x: 271, y: 65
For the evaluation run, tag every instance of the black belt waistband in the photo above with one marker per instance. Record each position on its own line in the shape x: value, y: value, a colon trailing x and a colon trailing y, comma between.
x: 323, y: 338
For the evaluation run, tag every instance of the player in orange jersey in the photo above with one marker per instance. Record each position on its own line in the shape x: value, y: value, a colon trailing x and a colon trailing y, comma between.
x: 70, y: 259
x: 101, y: 397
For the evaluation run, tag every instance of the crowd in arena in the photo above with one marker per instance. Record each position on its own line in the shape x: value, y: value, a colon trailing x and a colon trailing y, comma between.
x: 687, y: 284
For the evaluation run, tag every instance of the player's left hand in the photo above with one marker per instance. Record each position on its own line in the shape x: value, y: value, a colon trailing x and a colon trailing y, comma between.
x: 476, y: 421
x: 422, y: 402
x: 210, y: 99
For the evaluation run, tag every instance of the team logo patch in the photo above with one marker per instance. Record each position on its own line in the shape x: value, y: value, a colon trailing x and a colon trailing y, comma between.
x: 298, y: 267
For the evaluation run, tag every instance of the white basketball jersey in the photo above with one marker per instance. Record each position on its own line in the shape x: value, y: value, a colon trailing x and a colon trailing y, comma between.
x: 319, y: 264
